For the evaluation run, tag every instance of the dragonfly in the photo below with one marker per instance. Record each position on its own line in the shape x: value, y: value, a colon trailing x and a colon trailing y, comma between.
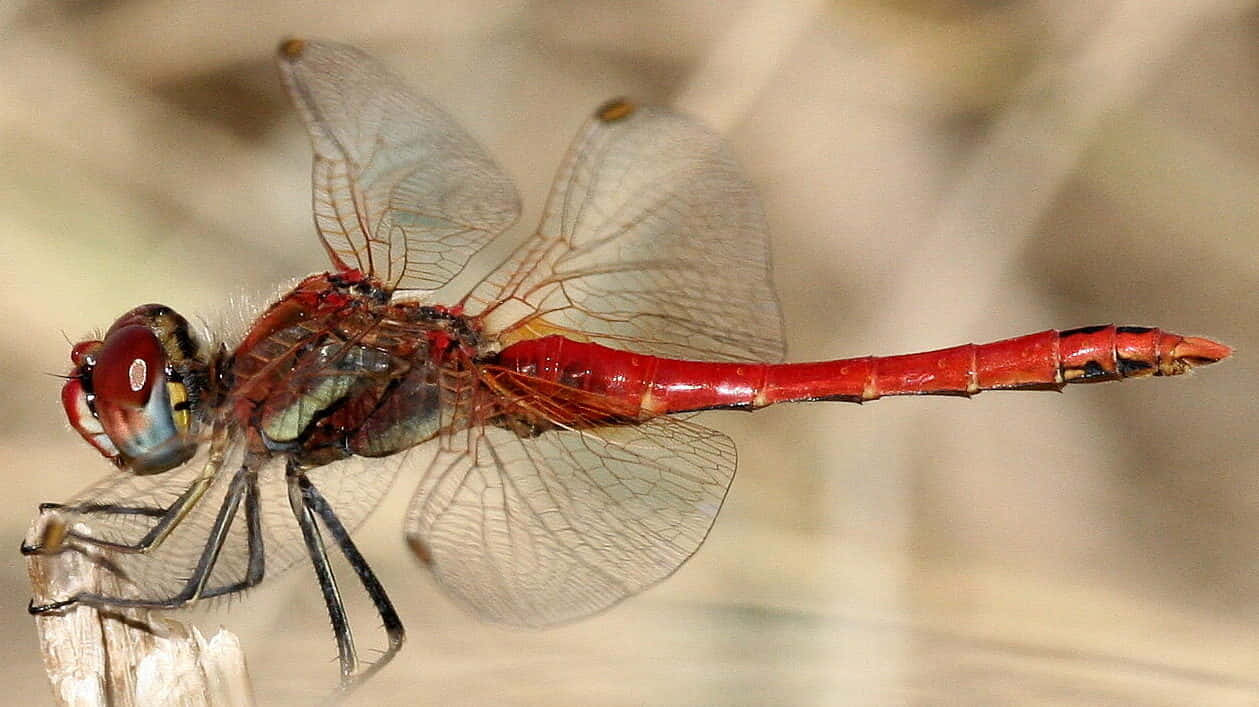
x: 558, y: 391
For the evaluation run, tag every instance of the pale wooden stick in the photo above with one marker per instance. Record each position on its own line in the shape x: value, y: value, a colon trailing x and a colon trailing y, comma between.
x: 126, y: 657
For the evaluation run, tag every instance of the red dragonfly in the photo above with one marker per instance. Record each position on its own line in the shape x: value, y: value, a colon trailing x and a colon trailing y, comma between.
x: 563, y: 481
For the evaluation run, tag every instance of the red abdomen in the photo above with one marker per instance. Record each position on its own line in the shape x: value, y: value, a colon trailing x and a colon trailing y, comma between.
x: 1045, y: 360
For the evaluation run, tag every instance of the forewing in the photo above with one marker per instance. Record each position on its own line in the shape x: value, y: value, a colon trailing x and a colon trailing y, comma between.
x: 401, y: 192
x: 124, y: 507
x: 353, y: 487
x: 652, y: 241
x: 544, y: 529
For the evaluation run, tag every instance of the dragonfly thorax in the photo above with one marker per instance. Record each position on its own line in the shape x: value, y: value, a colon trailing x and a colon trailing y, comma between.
x: 335, y: 369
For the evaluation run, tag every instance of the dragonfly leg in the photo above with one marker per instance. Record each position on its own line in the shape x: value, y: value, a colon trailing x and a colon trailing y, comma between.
x: 168, y: 517
x: 256, y: 567
x: 244, y: 484
x: 105, y: 507
x: 308, y: 503
x: 346, y: 654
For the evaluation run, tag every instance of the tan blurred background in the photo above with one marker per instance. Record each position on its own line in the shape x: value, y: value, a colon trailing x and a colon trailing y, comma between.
x: 934, y: 173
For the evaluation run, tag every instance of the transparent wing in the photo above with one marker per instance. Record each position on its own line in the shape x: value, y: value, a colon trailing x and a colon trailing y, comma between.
x: 652, y: 240
x: 544, y: 528
x: 124, y: 508
x: 401, y: 192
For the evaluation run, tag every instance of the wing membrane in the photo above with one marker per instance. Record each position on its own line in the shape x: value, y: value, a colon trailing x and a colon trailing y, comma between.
x: 124, y: 507
x: 652, y: 240
x: 545, y: 528
x: 401, y: 192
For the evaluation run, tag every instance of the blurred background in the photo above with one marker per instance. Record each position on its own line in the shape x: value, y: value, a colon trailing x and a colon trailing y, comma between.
x: 933, y: 173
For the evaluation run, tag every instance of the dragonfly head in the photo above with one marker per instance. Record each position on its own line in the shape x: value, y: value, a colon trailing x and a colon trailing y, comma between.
x: 132, y: 394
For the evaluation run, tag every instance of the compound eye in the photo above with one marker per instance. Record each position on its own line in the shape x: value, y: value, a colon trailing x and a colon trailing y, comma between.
x: 126, y: 386
x: 127, y: 366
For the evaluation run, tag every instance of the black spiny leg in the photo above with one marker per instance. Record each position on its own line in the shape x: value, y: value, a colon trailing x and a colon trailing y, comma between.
x: 346, y: 654
x: 307, y: 503
x: 168, y: 518
x: 243, y: 484
x: 257, y: 566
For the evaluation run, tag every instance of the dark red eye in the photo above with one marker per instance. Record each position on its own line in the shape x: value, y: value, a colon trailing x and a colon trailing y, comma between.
x: 126, y: 396
x: 127, y: 365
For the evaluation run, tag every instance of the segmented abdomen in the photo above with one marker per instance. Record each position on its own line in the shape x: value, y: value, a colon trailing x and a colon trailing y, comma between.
x: 1045, y: 360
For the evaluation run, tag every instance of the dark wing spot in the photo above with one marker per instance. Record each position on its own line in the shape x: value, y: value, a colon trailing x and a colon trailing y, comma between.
x: 291, y: 49
x: 614, y: 110
x: 420, y: 548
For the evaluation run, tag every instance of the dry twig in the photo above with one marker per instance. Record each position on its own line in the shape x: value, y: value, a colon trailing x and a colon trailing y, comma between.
x: 127, y: 657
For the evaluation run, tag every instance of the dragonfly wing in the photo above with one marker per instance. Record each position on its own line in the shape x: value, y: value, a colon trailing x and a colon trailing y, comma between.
x: 353, y: 487
x: 401, y: 192
x: 545, y: 529
x: 652, y: 240
x: 125, y: 507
